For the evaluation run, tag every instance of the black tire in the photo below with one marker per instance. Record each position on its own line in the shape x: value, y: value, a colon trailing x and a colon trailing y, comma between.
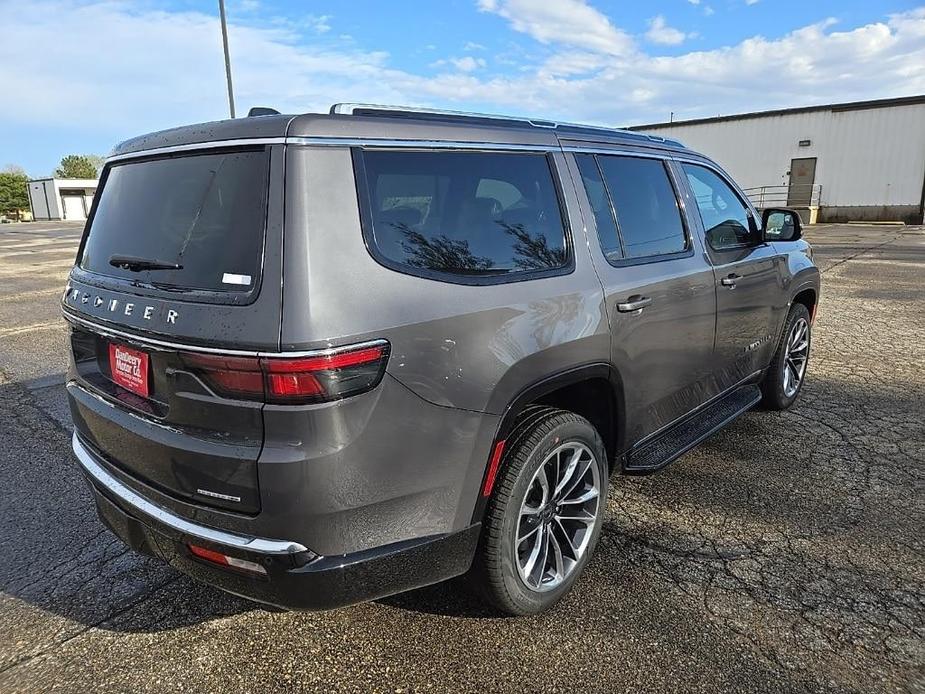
x: 774, y: 395
x: 495, y: 572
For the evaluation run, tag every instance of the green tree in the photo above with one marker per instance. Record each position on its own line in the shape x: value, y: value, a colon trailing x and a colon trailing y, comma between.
x: 97, y: 162
x: 14, y: 194
x: 76, y: 166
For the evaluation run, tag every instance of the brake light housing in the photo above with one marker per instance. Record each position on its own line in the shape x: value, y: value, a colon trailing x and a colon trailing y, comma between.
x: 317, y: 377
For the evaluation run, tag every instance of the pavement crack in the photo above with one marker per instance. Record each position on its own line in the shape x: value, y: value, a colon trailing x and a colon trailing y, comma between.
x: 93, y: 625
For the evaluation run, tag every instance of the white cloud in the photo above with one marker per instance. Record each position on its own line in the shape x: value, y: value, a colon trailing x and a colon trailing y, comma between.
x: 131, y: 71
x: 321, y: 24
x: 707, y: 10
x: 694, y: 2
x: 464, y: 64
x: 566, y: 22
x: 571, y: 63
x: 751, y: 2
x: 468, y: 63
x: 473, y: 46
x: 660, y: 32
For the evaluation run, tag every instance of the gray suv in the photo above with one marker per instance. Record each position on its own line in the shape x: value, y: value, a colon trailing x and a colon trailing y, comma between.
x: 321, y: 359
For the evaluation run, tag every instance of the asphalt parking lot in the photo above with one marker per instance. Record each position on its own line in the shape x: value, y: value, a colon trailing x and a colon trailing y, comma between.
x: 786, y: 554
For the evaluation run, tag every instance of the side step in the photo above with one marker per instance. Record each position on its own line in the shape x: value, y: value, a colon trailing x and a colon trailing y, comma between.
x: 674, y: 442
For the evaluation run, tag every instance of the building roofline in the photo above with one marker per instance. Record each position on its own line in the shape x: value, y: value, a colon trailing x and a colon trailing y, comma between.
x: 845, y: 106
x: 56, y: 178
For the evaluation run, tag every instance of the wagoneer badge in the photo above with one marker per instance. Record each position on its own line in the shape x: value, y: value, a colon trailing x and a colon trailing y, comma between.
x: 120, y: 306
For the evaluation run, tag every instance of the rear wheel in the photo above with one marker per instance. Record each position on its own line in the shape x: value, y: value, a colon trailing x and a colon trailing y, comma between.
x: 545, y: 515
x: 784, y: 379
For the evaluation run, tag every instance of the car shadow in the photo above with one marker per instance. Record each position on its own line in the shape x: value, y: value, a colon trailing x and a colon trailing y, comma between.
x: 453, y: 598
x: 57, y: 554
x: 59, y: 557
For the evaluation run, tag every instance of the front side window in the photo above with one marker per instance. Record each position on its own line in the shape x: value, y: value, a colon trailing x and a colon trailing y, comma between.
x: 647, y: 212
x: 472, y: 214
x: 725, y: 218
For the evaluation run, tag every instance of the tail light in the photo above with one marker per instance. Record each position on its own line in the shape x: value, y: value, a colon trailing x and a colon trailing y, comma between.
x: 293, y: 380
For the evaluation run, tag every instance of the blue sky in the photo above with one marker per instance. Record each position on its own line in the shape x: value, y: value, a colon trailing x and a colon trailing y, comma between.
x: 80, y: 76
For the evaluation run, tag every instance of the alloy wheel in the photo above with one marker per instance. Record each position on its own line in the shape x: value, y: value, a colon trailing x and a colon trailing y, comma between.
x: 796, y: 357
x: 557, y: 517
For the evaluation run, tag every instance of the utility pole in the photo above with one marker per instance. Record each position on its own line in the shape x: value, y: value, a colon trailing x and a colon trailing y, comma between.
x: 221, y: 10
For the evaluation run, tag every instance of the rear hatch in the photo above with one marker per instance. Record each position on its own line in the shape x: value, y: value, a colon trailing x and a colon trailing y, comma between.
x: 177, y: 284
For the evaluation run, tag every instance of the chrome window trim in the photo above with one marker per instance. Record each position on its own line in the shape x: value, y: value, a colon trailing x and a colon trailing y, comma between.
x: 115, y: 487
x: 312, y: 141
x: 333, y: 142
x: 194, y: 146
x: 617, y: 151
x: 107, y: 331
x: 369, y: 142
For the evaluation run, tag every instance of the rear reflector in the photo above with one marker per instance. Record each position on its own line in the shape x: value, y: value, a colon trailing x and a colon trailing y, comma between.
x: 210, y: 555
x: 317, y: 378
x: 493, y: 468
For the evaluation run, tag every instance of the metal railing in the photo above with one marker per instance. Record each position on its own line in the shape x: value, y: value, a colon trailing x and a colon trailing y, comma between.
x: 794, y: 195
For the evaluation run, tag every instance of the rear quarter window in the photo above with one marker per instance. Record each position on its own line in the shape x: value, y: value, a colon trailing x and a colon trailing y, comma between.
x: 470, y: 217
x: 204, y: 215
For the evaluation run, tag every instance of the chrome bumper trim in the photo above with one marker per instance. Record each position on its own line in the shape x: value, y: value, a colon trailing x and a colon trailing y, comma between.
x: 108, y: 331
x: 138, y: 503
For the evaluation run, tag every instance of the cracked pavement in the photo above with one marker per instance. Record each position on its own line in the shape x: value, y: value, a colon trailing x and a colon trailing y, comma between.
x: 786, y: 553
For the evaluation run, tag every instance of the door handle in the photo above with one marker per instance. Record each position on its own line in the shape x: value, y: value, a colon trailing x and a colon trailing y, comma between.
x: 730, y: 280
x: 634, y: 303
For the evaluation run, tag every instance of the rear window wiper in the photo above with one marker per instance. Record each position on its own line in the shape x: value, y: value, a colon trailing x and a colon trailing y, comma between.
x: 136, y: 264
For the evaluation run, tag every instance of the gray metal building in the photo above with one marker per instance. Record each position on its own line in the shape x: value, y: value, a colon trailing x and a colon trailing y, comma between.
x: 857, y: 161
x: 61, y: 198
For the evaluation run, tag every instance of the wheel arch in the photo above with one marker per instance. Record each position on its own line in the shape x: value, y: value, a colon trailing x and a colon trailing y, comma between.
x: 809, y: 297
x: 594, y: 391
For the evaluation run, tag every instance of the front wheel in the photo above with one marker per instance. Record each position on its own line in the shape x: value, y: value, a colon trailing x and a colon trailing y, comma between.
x: 784, y: 378
x: 545, y: 515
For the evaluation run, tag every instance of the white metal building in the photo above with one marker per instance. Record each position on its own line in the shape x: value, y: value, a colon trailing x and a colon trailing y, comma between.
x: 858, y: 161
x: 61, y: 198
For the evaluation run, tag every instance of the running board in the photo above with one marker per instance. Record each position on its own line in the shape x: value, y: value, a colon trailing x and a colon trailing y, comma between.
x: 678, y: 439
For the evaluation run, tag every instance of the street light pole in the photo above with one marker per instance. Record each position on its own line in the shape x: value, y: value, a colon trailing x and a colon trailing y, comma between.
x: 221, y: 10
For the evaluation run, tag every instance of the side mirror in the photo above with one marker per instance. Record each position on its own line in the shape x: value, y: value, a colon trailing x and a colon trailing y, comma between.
x: 781, y: 224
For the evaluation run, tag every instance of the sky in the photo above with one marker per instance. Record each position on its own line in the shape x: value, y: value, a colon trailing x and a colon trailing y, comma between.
x: 78, y: 77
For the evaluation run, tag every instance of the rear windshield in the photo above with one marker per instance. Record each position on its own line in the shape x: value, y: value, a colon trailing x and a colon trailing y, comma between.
x: 200, y: 219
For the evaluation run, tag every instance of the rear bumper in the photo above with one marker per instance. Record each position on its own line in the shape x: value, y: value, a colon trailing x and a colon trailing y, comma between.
x: 296, y: 578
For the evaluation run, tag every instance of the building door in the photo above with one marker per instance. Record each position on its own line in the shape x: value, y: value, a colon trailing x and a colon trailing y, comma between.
x: 802, y: 177
x: 74, y: 206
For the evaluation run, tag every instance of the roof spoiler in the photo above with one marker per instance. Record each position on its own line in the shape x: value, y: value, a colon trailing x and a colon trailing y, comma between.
x: 262, y: 111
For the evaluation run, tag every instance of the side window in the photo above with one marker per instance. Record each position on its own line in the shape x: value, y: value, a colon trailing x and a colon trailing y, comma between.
x: 463, y: 213
x: 600, y: 205
x: 647, y: 212
x: 725, y: 218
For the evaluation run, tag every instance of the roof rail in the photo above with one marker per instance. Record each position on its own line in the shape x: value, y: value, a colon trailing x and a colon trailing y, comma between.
x: 442, y: 114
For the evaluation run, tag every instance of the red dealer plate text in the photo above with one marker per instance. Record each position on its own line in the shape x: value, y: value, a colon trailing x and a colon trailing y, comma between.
x: 129, y: 368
